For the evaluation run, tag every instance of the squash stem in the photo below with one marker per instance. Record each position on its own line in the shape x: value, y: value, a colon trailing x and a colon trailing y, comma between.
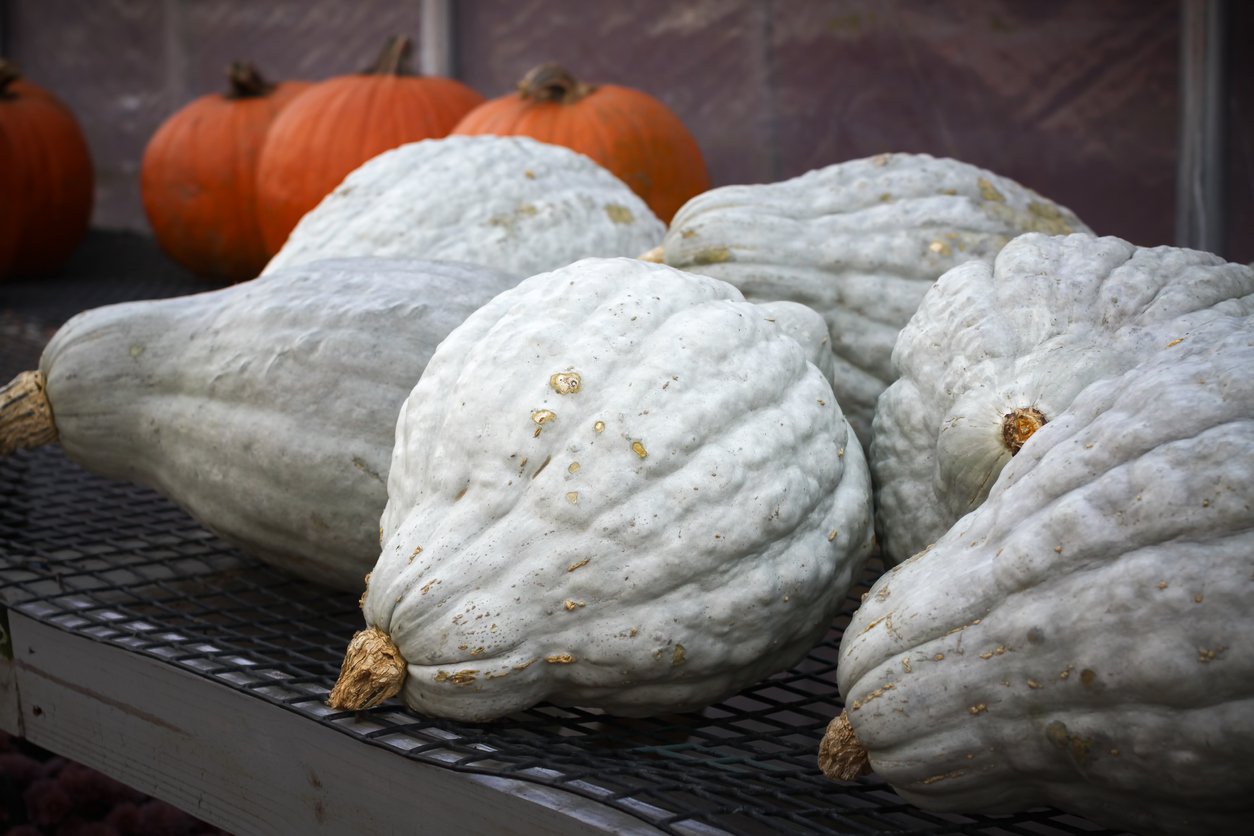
x: 373, y: 671
x: 25, y: 414
x: 245, y: 81
x: 553, y: 83
x: 1018, y: 425
x: 841, y: 756
x: 394, y: 59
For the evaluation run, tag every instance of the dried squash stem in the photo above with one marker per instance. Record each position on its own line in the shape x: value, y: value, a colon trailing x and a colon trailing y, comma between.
x: 373, y: 671
x: 841, y: 756
x: 25, y: 414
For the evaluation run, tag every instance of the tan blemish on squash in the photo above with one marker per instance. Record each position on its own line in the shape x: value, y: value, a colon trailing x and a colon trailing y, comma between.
x: 938, y: 657
x: 831, y: 536
x: 541, y: 416
x: 373, y: 671
x: 573, y: 497
x: 841, y: 756
x: 1174, y: 342
x: 461, y: 493
x: 496, y: 675
x: 542, y: 466
x: 1032, y: 684
x: 639, y: 449
x: 1019, y: 425
x: 1204, y: 655
x: 873, y: 623
x: 999, y: 651
x: 574, y: 466
x: 711, y: 255
x: 476, y: 651
x: 905, y: 663
x: 417, y: 551
x: 677, y: 658
x: 633, y: 632
x: 1088, y: 677
x: 572, y: 567
x: 427, y: 585
x: 988, y: 655
x: 976, y: 709
x: 947, y: 191
x: 565, y: 383
x: 560, y: 659
x: 988, y: 192
x: 881, y: 159
x: 940, y: 248
x: 523, y: 665
x: 599, y: 427
x: 464, y: 677
x: 619, y: 214
x: 936, y: 778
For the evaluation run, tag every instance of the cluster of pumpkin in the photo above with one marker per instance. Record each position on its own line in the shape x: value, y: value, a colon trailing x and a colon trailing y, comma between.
x: 226, y: 179
x: 641, y: 486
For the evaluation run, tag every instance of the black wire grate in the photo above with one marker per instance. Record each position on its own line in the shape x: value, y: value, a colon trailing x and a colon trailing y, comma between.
x: 122, y: 565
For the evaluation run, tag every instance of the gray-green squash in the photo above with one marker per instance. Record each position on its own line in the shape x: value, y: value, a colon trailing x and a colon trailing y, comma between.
x: 860, y: 242
x: 266, y: 410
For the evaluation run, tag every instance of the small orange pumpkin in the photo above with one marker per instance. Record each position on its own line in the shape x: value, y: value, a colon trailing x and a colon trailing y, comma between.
x: 628, y: 132
x: 343, y: 122
x: 48, y: 188
x: 199, y: 175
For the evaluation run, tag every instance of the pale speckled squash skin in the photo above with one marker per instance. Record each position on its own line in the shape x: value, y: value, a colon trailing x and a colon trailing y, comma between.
x: 267, y: 410
x: 860, y: 242
x: 1085, y: 638
x: 510, y: 203
x: 1050, y: 317
x: 636, y: 584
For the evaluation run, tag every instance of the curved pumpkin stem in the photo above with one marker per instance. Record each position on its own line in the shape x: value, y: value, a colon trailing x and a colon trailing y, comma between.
x: 373, y: 671
x: 246, y: 82
x: 9, y: 73
x: 25, y: 414
x: 841, y: 756
x: 394, y: 59
x: 553, y: 83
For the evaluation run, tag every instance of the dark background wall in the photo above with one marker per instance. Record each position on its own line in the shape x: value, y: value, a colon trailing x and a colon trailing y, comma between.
x: 1076, y: 99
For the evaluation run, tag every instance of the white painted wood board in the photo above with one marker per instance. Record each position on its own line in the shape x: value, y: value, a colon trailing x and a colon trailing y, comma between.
x: 251, y: 767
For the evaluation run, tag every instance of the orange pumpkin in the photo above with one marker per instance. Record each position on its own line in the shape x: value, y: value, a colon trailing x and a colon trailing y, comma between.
x: 49, y: 186
x: 343, y: 122
x: 628, y: 132
x: 199, y: 175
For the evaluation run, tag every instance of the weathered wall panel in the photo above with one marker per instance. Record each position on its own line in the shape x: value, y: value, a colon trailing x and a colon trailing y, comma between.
x: 705, y: 59
x: 1074, y: 98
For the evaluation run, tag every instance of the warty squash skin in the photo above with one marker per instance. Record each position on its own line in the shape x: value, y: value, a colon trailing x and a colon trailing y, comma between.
x: 266, y: 410
x: 616, y: 485
x: 1031, y: 331
x: 1085, y: 638
x: 510, y: 203
x: 860, y: 242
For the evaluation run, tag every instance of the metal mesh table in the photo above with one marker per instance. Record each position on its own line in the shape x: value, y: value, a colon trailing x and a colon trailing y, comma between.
x: 121, y: 565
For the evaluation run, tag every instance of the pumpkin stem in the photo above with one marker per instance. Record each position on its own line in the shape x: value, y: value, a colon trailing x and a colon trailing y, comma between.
x: 1018, y: 425
x: 9, y: 73
x: 841, y: 756
x: 245, y: 81
x: 394, y: 59
x: 373, y: 671
x: 553, y: 83
x: 25, y: 414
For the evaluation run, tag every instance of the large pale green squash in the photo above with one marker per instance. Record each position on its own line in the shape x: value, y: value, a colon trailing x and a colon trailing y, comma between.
x: 1084, y: 638
x: 860, y: 242
x: 616, y: 485
x: 267, y: 410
